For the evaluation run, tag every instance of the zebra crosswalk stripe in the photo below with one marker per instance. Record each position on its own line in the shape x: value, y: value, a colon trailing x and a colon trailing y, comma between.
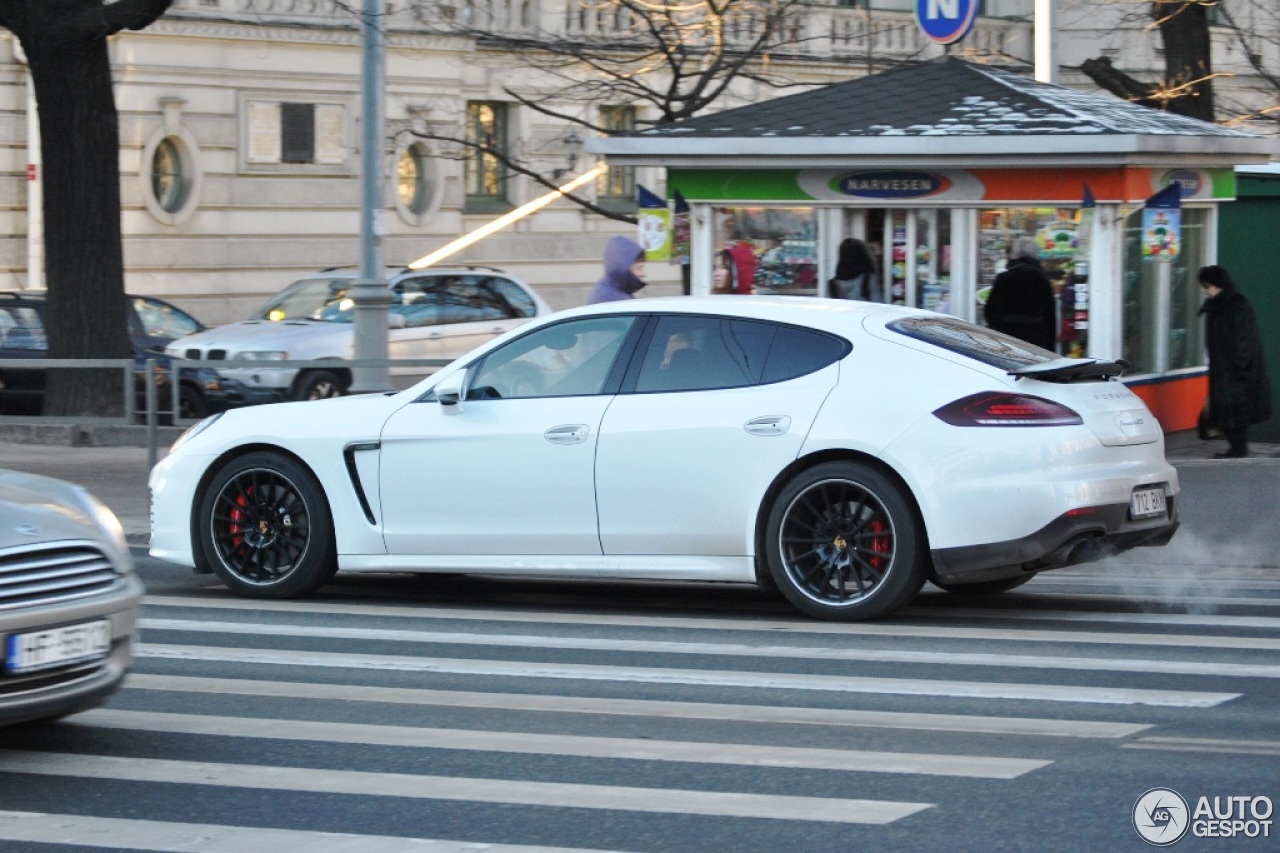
x: 667, y: 647
x: 564, y: 704
x: 717, y: 678
x: 125, y: 834
x: 747, y: 755
x: 529, y: 793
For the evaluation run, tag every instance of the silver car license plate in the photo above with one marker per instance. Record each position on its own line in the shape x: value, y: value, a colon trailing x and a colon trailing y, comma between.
x: 1147, y: 503
x: 36, y: 650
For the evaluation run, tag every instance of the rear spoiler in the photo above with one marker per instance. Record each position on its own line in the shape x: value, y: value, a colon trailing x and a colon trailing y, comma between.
x: 1072, y: 370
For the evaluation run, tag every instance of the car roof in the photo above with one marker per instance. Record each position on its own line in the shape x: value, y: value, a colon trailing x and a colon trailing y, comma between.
x: 830, y: 314
x: 393, y: 272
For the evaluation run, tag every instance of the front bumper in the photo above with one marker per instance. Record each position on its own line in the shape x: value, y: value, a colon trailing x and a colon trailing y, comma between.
x: 78, y: 687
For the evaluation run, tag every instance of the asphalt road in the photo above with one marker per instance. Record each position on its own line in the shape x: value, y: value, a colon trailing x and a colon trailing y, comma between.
x: 654, y: 717
x: 397, y: 712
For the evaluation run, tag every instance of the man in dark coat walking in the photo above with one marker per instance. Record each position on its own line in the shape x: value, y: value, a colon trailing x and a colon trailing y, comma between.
x: 1239, y: 391
x: 1021, y: 302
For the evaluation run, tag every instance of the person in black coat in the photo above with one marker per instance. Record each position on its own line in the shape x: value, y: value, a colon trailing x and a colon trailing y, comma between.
x: 1239, y: 391
x: 1021, y: 302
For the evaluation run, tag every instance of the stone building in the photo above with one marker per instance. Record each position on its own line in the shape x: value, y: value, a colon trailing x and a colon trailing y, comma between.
x: 240, y: 129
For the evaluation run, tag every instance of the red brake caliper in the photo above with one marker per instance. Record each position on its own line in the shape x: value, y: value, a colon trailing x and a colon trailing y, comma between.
x: 237, y: 516
x: 878, y: 543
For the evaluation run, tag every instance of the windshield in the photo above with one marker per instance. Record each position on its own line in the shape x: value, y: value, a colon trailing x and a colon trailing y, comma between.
x: 311, y: 299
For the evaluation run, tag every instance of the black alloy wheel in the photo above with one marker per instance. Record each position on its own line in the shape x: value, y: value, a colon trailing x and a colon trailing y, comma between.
x: 266, y: 529
x: 844, y: 542
x: 984, y: 587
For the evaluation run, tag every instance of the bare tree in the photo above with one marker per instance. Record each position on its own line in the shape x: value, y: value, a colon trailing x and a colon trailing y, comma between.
x: 673, y: 58
x: 1248, y: 90
x: 1254, y: 28
x: 65, y: 42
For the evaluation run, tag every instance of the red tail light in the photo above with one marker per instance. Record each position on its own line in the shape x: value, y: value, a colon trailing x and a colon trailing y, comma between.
x: 990, y: 408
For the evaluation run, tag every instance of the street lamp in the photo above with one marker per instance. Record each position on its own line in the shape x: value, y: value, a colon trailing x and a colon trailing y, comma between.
x: 572, y: 149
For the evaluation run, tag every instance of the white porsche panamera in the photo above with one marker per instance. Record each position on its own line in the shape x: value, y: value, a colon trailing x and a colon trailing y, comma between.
x: 843, y: 452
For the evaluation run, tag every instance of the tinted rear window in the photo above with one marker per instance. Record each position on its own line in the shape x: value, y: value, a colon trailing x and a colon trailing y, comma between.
x: 796, y: 352
x: 977, y: 342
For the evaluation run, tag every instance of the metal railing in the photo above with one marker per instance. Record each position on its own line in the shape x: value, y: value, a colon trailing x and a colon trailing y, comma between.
x: 154, y: 403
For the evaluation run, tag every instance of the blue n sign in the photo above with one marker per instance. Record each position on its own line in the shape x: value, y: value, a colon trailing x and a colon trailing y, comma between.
x: 946, y: 21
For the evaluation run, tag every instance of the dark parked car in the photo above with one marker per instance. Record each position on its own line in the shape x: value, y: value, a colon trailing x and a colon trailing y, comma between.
x: 153, y: 323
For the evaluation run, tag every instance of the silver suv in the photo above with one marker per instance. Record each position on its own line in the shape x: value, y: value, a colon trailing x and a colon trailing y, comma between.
x: 435, y: 313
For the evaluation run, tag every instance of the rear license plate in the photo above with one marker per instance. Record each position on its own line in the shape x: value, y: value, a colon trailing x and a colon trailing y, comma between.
x: 1147, y: 503
x: 37, y: 650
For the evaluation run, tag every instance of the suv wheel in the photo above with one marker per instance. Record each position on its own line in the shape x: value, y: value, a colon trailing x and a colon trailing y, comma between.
x: 318, y: 385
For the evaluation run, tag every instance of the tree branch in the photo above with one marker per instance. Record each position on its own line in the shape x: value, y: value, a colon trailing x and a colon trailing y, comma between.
x: 521, y: 169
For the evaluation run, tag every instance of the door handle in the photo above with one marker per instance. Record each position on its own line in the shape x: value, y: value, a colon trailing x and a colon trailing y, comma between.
x: 567, y: 434
x: 768, y: 425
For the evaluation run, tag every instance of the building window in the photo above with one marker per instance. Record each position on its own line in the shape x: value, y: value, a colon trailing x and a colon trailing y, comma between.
x: 417, y: 183
x: 296, y: 133
x: 169, y: 181
x: 617, y: 186
x: 411, y: 179
x: 484, y: 169
x: 168, y: 171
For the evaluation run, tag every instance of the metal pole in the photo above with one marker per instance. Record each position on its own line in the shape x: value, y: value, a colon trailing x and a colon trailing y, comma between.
x: 1046, y: 42
x: 150, y: 375
x: 369, y: 292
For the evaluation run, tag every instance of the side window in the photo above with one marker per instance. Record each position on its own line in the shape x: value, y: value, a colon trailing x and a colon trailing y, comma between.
x: 161, y: 320
x: 416, y: 300
x: 796, y: 352
x: 513, y: 299
x: 22, y: 328
x: 691, y: 353
x: 467, y: 299
x: 568, y: 359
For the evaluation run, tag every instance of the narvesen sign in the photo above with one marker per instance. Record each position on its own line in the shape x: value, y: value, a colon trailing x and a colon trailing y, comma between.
x: 894, y: 184
x: 946, y: 21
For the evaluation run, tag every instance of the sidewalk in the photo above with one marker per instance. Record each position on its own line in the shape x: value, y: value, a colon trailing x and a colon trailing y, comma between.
x: 117, y: 474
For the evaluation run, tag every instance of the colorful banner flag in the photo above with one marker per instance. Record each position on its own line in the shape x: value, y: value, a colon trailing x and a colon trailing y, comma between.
x: 1162, y: 224
x: 653, y: 225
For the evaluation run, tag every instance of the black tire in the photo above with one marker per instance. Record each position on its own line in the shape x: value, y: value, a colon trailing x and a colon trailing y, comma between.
x: 191, y: 404
x: 266, y: 529
x: 984, y: 587
x: 318, y: 385
x: 844, y: 542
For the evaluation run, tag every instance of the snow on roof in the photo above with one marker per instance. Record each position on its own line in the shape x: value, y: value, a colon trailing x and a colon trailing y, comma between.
x: 947, y: 97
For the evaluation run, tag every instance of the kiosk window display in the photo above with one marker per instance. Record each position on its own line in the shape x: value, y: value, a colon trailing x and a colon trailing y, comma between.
x: 1062, y: 236
x: 783, y: 241
x: 1161, y: 298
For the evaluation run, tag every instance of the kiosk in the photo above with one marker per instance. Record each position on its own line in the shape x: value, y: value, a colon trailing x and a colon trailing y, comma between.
x: 939, y: 167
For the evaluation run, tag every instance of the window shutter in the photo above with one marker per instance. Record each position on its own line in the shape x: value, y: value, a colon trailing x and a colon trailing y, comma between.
x: 264, y: 132
x: 331, y: 142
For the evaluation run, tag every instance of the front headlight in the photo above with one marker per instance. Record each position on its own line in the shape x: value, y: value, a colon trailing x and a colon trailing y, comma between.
x: 194, y: 430
x: 264, y: 355
x: 111, y: 528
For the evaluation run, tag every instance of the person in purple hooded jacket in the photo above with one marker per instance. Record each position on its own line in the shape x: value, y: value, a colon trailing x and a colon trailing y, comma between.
x: 623, y: 271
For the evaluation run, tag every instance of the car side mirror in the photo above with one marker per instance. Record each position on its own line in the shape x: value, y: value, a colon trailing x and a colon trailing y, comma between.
x: 395, y: 321
x: 449, y: 392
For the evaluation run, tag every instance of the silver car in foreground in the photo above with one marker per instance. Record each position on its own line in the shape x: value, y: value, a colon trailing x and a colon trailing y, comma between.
x: 68, y: 599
